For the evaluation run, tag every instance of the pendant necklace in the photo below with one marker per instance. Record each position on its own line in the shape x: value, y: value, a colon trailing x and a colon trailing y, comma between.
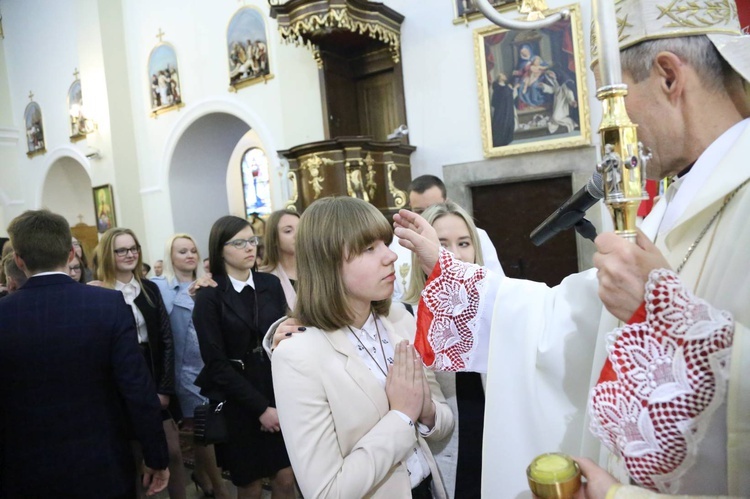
x: 367, y: 350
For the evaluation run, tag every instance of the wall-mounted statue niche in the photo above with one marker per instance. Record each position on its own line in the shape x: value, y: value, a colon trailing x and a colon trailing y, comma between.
x: 357, y: 45
x: 34, y: 128
x: 247, y: 49
x: 164, y: 78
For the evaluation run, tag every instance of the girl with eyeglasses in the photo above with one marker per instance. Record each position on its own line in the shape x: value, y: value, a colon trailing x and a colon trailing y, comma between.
x: 230, y: 320
x: 75, y: 270
x: 88, y: 275
x: 119, y: 267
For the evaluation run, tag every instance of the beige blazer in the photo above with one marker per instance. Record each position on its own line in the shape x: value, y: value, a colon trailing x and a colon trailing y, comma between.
x: 342, y: 440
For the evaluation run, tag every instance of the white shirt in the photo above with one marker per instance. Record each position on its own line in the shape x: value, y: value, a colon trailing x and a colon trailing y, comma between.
x: 240, y: 285
x: 130, y: 292
x: 381, y: 352
x: 687, y: 188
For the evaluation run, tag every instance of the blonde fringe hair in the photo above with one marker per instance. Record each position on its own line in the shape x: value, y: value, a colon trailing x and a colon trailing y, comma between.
x: 106, y: 270
x: 168, y: 269
x: 418, y: 278
x: 330, y: 231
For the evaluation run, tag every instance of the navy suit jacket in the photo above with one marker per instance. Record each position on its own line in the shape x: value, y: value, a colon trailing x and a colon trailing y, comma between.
x: 74, y: 389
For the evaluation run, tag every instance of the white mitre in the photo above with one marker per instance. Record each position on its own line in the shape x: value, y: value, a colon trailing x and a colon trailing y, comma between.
x: 642, y: 20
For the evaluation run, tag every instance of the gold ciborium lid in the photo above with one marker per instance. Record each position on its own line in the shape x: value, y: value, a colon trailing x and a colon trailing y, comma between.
x: 554, y: 476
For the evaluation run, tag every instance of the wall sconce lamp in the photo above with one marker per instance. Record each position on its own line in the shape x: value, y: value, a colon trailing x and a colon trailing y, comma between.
x: 80, y: 123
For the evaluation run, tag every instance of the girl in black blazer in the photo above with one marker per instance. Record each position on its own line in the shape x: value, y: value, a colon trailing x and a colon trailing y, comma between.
x: 119, y: 257
x: 230, y: 320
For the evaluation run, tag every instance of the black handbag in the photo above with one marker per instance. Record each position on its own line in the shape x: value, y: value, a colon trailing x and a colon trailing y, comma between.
x: 210, y: 425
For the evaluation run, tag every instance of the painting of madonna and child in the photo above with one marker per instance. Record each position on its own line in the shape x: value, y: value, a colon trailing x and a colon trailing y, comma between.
x: 532, y: 88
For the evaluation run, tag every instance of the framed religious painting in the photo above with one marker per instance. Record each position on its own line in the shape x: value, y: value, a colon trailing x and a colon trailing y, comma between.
x: 466, y: 10
x: 32, y: 116
x: 164, y: 78
x: 104, y: 207
x: 247, y: 49
x: 532, y: 87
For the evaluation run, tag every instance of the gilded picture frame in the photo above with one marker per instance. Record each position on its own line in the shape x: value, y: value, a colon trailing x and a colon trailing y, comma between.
x: 466, y: 10
x: 164, y: 80
x: 532, y: 87
x: 248, y: 56
x: 104, y: 208
x: 34, y: 125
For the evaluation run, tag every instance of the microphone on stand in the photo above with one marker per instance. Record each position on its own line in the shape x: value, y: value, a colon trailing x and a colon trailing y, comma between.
x: 572, y: 213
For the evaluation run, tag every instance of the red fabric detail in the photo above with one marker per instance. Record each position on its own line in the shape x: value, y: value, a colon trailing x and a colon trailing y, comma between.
x: 665, y: 384
x: 424, y: 319
x: 453, y: 299
x: 608, y: 373
x: 743, y: 10
x: 652, y: 187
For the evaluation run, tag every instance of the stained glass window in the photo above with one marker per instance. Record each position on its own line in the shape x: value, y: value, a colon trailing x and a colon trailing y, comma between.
x: 255, y: 182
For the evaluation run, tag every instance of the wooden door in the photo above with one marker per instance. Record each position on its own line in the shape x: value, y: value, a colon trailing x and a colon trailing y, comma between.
x: 510, y: 211
x: 377, y: 105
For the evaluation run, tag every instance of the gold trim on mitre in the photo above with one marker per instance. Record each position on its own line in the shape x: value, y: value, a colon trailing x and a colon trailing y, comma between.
x: 642, y: 20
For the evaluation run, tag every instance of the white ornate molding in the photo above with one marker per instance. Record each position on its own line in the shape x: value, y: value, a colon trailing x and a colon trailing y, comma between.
x: 9, y: 137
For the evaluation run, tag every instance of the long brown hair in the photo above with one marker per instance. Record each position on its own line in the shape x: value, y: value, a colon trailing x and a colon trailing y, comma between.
x: 272, y: 251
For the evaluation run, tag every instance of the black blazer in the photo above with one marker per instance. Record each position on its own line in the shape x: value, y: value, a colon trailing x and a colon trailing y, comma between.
x: 74, y: 387
x: 160, y: 340
x: 228, y: 328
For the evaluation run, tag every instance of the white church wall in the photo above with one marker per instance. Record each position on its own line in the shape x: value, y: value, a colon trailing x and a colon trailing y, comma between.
x: 40, y: 54
x: 41, y: 51
x: 285, y: 111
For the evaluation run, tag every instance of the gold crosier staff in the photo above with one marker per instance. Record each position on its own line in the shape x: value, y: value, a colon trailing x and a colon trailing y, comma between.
x: 623, y: 158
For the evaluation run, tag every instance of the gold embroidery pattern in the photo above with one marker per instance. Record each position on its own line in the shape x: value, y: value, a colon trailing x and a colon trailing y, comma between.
x: 697, y: 14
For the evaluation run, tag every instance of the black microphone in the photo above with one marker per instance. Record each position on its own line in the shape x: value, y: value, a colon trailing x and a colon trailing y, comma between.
x: 571, y: 213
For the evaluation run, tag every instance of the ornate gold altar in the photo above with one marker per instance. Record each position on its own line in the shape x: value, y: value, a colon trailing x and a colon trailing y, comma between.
x: 377, y: 172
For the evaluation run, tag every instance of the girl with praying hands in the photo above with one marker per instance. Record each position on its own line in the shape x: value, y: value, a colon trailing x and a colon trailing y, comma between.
x: 355, y: 404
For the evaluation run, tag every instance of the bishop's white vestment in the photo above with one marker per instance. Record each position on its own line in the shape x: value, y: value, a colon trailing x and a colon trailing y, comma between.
x: 544, y: 348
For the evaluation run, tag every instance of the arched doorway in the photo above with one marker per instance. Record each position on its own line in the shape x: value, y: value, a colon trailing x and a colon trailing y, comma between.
x: 198, y: 173
x: 67, y: 191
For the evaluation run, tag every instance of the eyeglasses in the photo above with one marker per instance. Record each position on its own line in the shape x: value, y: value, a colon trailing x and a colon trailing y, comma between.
x: 242, y: 243
x: 75, y: 268
x: 124, y: 251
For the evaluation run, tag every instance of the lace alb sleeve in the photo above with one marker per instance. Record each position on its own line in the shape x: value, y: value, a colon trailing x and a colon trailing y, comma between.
x: 449, y: 317
x: 669, y: 374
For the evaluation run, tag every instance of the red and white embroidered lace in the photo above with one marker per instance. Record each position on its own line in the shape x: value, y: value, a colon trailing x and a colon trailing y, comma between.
x: 449, y: 310
x: 670, y: 375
